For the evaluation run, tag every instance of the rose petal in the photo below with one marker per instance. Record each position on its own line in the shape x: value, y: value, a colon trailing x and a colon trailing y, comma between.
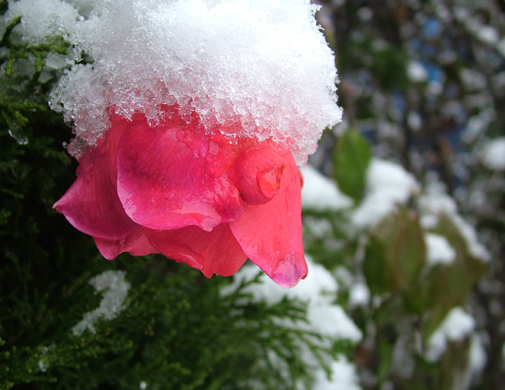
x: 257, y: 174
x: 136, y: 244
x: 216, y: 252
x: 170, y: 177
x: 91, y: 204
x: 271, y: 234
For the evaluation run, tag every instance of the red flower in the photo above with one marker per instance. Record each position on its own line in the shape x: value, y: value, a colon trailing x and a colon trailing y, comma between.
x: 205, y: 200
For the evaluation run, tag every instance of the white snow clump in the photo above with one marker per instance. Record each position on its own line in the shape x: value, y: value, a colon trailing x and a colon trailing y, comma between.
x: 439, y: 251
x: 318, y: 289
x: 321, y: 193
x: 388, y: 184
x: 42, y: 19
x: 456, y: 326
x: 493, y: 155
x: 324, y: 317
x: 359, y: 295
x: 259, y: 69
x: 434, y: 203
x: 112, y: 303
x: 343, y: 376
x: 417, y: 72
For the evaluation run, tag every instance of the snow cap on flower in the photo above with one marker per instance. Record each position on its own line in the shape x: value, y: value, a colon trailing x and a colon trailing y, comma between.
x: 190, y: 118
x: 259, y: 69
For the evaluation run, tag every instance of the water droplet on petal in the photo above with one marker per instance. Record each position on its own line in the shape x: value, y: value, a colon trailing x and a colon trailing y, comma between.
x: 269, y: 181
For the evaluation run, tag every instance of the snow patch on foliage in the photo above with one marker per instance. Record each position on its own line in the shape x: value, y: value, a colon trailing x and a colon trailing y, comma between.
x: 434, y: 203
x: 258, y: 69
x: 116, y: 289
x: 359, y: 295
x: 321, y: 193
x: 417, y: 72
x: 42, y: 19
x: 439, y: 251
x: 473, y: 79
x: 319, y: 290
x: 477, y: 125
x: 343, y: 374
x: 493, y: 154
x: 388, y: 184
x: 43, y: 362
x: 324, y: 317
x: 456, y: 326
x: 477, y: 356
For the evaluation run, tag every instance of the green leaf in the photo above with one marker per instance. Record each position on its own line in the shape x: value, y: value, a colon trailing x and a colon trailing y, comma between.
x: 450, y: 285
x: 379, y: 275
x: 351, y: 160
x: 385, y: 350
x: 396, y: 255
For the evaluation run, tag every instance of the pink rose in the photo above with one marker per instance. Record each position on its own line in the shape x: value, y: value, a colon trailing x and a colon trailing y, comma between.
x: 200, y: 198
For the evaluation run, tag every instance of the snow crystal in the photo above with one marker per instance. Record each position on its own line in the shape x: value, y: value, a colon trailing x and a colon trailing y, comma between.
x: 112, y: 302
x: 416, y: 71
x: 84, y: 7
x: 493, y: 155
x: 257, y: 69
x: 343, y: 376
x: 439, y: 251
x: 42, y: 19
x: 456, y: 326
x: 321, y: 193
x: 387, y: 185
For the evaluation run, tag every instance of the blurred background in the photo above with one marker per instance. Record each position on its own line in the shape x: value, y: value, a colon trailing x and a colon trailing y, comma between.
x: 423, y: 83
